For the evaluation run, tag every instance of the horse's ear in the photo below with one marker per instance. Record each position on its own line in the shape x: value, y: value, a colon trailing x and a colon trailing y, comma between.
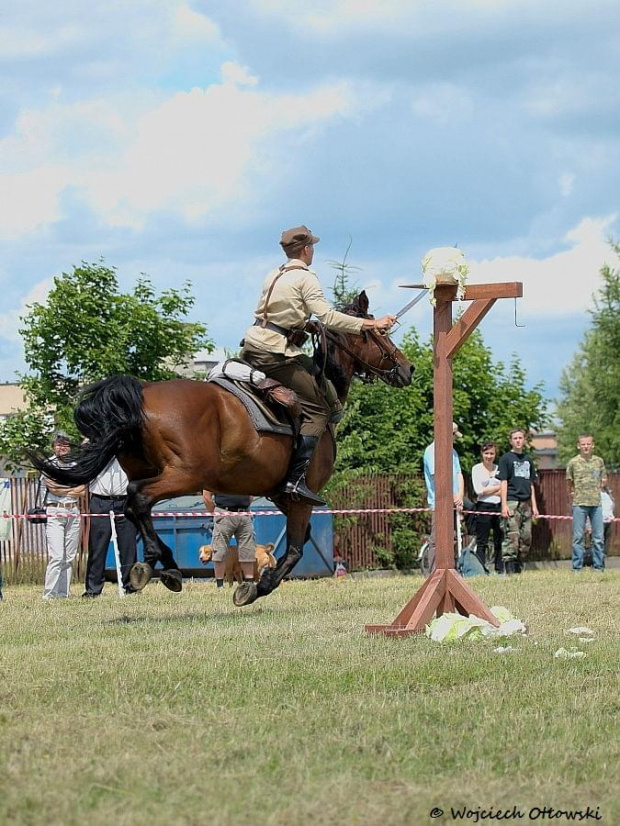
x: 362, y: 302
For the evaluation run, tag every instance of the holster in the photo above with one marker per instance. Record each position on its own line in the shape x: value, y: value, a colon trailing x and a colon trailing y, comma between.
x: 297, y: 338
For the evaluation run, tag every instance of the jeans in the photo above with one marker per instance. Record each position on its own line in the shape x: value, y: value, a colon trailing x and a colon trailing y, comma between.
x: 580, y: 515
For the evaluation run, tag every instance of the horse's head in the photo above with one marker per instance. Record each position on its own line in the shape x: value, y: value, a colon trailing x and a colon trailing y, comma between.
x: 375, y: 356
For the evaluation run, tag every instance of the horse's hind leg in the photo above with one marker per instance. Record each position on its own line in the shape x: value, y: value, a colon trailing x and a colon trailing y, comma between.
x: 297, y: 524
x: 138, y: 510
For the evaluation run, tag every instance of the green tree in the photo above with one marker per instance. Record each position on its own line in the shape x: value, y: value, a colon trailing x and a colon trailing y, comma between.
x: 385, y: 431
x: 88, y: 330
x: 343, y: 291
x: 590, y: 385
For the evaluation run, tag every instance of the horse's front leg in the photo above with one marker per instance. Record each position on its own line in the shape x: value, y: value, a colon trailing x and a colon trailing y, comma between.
x: 297, y: 522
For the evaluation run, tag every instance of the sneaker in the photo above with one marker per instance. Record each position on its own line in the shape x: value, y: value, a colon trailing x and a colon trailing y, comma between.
x: 89, y: 595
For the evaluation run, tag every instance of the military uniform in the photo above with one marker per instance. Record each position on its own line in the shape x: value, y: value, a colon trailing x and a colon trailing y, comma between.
x: 291, y: 294
x: 587, y: 476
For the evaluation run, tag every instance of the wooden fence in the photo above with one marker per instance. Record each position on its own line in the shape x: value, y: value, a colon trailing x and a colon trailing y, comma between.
x: 359, y: 538
x: 23, y: 555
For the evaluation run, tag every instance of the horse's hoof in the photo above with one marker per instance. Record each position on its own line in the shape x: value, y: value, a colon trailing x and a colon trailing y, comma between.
x: 245, y: 594
x: 172, y: 579
x: 140, y: 575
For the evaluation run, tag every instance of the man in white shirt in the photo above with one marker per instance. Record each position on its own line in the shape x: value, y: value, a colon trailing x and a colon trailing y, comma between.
x: 108, y: 492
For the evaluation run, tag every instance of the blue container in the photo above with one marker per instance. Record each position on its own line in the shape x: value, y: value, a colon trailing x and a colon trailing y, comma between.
x: 185, y: 534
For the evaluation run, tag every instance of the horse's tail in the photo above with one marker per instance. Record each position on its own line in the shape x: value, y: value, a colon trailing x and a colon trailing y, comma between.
x: 110, y: 415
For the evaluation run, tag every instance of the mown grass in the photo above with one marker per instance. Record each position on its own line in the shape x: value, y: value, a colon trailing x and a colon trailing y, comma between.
x: 181, y: 709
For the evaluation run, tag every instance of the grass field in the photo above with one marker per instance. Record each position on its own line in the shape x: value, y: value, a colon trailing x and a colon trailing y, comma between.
x: 181, y: 709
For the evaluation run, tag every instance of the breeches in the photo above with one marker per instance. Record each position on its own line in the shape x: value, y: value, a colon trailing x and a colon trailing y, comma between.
x: 291, y: 373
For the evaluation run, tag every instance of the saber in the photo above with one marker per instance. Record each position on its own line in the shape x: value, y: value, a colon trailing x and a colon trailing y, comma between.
x: 411, y: 304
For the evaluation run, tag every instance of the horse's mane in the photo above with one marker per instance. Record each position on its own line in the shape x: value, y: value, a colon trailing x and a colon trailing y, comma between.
x: 326, y: 360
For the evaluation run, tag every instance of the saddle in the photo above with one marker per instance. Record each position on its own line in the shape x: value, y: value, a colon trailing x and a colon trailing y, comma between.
x: 272, y: 407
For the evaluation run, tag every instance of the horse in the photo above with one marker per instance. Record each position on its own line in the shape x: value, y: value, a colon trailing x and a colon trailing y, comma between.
x: 180, y: 436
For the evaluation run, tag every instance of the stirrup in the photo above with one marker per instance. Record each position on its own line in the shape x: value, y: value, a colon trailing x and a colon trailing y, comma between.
x: 300, y: 492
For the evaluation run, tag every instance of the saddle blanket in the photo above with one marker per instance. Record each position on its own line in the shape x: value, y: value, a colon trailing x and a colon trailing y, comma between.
x: 263, y: 419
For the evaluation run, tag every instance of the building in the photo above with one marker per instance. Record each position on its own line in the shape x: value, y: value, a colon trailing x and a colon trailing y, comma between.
x: 544, y: 447
x: 12, y: 399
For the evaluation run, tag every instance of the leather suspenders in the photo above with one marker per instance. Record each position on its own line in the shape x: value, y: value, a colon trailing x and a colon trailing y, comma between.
x: 280, y: 272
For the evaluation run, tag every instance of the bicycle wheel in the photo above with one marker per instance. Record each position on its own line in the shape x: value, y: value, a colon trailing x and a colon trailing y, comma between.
x: 424, y: 560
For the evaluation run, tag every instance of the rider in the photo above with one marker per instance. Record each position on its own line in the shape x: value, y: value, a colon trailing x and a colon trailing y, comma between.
x: 291, y: 294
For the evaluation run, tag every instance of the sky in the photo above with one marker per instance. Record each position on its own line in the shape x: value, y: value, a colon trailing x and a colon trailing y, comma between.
x: 179, y: 138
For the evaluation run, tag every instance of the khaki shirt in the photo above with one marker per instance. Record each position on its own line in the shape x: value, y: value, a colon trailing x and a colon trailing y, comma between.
x: 296, y: 296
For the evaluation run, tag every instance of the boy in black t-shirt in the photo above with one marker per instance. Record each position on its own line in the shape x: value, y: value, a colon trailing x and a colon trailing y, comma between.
x: 517, y: 474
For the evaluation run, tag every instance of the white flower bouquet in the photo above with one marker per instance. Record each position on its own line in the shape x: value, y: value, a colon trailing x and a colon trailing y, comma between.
x: 445, y: 265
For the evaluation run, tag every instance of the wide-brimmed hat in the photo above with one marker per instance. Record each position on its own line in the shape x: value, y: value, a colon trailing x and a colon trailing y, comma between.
x: 298, y: 237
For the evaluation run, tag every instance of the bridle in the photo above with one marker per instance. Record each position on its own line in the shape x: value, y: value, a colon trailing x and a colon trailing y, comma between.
x: 369, y: 371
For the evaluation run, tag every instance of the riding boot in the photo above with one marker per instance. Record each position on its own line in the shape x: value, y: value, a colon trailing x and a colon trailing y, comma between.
x: 295, y: 485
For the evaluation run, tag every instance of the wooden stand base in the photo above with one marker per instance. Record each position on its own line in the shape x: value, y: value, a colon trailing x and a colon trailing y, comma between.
x: 444, y: 591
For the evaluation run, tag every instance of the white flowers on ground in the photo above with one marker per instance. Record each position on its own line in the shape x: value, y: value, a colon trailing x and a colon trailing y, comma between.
x: 450, y: 626
x: 445, y: 265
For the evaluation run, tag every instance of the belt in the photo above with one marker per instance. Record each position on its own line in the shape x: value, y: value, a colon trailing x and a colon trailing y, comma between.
x: 233, y: 510
x: 108, y: 498
x: 65, y: 505
x: 275, y: 328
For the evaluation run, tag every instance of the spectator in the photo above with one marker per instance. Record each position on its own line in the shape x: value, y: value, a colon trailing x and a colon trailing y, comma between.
x: 608, y: 504
x: 62, y: 529
x: 229, y: 524
x: 458, y: 488
x: 517, y: 475
x: 586, y: 476
x: 108, y: 492
x: 488, y: 506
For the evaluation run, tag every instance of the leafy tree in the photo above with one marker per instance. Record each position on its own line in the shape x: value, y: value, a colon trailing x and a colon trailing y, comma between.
x: 88, y: 330
x: 590, y: 385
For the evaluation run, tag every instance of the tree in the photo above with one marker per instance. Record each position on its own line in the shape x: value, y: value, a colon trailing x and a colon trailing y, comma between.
x: 88, y: 330
x: 590, y: 385
x: 342, y: 290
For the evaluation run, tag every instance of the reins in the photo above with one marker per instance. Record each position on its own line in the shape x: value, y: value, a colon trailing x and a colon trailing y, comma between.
x: 368, y: 368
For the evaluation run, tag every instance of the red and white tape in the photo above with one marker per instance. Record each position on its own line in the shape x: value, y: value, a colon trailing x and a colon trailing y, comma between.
x: 205, y: 514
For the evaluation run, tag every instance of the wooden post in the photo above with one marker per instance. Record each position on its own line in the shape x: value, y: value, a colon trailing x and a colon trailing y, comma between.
x: 444, y: 590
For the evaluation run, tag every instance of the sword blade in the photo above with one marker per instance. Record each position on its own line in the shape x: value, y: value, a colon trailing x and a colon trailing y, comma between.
x: 411, y: 304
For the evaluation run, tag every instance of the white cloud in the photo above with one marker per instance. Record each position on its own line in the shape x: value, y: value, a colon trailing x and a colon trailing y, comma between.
x: 563, y: 282
x: 189, y: 153
x: 10, y: 322
x: 27, y: 41
x: 191, y: 25
x: 237, y: 75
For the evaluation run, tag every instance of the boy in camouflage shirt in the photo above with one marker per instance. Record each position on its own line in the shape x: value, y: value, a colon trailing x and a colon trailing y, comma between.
x: 586, y: 475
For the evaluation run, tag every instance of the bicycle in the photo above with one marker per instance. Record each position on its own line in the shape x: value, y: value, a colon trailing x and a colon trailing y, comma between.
x: 423, y: 554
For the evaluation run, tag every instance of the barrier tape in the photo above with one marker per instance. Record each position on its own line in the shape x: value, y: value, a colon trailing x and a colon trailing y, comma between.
x: 205, y: 514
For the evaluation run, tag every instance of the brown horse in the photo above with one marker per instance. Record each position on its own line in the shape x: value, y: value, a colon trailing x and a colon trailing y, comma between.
x: 181, y: 436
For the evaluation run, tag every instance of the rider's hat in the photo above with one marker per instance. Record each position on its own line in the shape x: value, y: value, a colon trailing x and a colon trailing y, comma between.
x: 297, y: 238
